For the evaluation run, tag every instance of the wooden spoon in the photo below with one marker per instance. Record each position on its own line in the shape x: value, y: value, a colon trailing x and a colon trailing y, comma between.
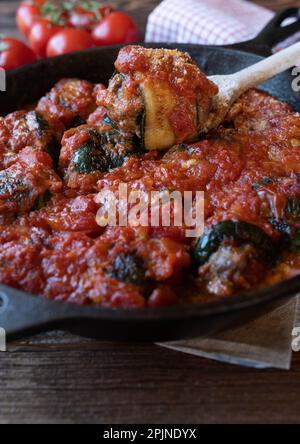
x: 232, y: 86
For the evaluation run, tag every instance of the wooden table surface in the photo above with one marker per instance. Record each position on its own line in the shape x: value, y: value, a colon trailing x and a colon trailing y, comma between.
x: 61, y: 378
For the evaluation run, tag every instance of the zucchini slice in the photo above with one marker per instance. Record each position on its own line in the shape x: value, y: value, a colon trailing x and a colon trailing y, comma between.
x: 89, y: 158
x: 292, y: 209
x: 36, y: 122
x: 290, y: 235
x: 159, y: 102
x: 295, y: 241
x: 128, y: 268
x: 241, y: 232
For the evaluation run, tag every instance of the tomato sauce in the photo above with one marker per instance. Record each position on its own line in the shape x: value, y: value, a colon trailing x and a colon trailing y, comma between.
x: 51, y: 245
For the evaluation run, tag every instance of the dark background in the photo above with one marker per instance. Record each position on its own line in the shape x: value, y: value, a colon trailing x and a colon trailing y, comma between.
x: 61, y: 378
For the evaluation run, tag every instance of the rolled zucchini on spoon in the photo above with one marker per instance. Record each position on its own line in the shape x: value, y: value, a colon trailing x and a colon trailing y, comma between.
x: 158, y: 96
x: 169, y: 98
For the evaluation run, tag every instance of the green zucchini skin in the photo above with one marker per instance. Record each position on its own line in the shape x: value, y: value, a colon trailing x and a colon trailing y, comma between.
x: 42, y: 200
x: 133, y: 146
x: 108, y: 121
x: 100, y: 155
x: 239, y: 231
x: 292, y: 209
x: 36, y: 122
x: 78, y: 121
x: 295, y: 241
x: 128, y: 268
x: 128, y: 130
x: 53, y: 149
x: 142, y: 123
x: 89, y: 158
x: 290, y: 235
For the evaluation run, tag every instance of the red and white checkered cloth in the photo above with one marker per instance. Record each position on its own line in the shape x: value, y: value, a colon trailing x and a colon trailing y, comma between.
x: 212, y: 22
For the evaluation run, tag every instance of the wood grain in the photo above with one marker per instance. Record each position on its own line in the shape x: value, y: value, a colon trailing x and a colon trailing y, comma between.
x: 97, y: 382
x: 59, y: 378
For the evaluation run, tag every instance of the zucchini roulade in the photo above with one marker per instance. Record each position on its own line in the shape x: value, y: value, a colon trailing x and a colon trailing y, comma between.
x: 157, y: 97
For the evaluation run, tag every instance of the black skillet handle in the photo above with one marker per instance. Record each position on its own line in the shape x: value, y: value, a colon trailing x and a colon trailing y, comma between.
x: 21, y: 314
x: 273, y: 33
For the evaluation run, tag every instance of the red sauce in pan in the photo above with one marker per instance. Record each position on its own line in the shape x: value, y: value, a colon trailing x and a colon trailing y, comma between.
x: 52, y: 246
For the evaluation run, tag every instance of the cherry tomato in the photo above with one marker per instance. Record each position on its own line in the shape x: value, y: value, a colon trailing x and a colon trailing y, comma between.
x: 40, y: 34
x: 80, y: 18
x: 83, y: 18
x: 106, y: 10
x: 27, y: 14
x: 14, y: 53
x: 116, y: 28
x: 69, y: 40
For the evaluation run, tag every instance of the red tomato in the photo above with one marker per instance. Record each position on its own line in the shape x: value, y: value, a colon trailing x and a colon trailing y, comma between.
x: 116, y: 28
x: 83, y: 18
x: 106, y: 10
x: 69, y: 40
x: 14, y: 53
x: 37, y: 2
x: 40, y: 34
x: 27, y: 14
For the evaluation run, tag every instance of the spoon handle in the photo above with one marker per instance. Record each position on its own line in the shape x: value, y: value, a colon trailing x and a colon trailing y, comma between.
x: 266, y: 69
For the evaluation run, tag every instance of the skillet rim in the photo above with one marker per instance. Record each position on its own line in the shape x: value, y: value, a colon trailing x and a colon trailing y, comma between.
x: 237, y: 48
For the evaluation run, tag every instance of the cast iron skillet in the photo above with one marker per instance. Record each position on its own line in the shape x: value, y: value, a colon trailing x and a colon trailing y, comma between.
x: 22, y: 314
